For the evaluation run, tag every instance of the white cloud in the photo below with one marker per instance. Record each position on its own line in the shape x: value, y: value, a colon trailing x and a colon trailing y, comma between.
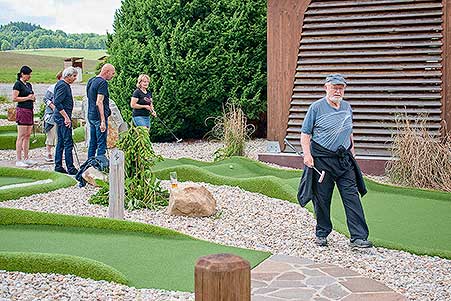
x: 75, y: 16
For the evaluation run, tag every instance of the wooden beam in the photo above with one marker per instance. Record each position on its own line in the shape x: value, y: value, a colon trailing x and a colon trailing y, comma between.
x: 285, y: 20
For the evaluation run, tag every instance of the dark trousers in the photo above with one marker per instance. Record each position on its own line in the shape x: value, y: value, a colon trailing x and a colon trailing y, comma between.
x: 97, y: 138
x: 322, y: 195
x: 65, y: 144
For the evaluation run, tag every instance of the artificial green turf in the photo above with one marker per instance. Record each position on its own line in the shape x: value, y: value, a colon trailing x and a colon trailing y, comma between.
x: 29, y: 262
x: 58, y: 181
x: 8, y: 136
x: 4, y: 180
x: 408, y: 219
x: 148, y: 256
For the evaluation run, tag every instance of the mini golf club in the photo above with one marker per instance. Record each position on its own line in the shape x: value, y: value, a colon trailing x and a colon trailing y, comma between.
x: 321, y: 173
x: 172, y: 133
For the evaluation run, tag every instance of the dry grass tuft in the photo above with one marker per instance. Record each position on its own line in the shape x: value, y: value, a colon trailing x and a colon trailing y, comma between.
x: 423, y: 160
x: 231, y: 128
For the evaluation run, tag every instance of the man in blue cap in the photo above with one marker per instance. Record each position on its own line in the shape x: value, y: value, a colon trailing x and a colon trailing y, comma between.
x: 327, y: 144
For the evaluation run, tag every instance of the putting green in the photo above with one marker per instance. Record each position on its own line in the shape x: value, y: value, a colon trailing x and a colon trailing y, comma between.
x: 8, y: 136
x: 145, y: 256
x: 4, y: 181
x: 19, y: 175
x: 414, y: 220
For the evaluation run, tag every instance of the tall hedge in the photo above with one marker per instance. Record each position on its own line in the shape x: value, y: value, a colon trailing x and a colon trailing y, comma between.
x: 198, y: 54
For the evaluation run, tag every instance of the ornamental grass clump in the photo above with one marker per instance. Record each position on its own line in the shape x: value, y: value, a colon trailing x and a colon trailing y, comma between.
x: 142, y: 188
x: 232, y: 130
x: 421, y: 159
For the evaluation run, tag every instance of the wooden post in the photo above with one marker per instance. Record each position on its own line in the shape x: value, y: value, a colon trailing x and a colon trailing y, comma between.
x: 223, y: 277
x: 116, y: 195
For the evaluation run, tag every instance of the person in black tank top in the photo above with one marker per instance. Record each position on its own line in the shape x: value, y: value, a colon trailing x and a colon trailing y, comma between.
x: 141, y: 102
x: 24, y: 96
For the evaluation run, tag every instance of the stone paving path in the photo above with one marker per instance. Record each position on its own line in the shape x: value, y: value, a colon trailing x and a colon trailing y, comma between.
x: 282, y: 278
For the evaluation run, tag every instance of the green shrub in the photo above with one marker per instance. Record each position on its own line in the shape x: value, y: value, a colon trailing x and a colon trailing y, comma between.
x: 41, y: 112
x: 142, y: 188
x: 198, y: 54
x: 4, y: 99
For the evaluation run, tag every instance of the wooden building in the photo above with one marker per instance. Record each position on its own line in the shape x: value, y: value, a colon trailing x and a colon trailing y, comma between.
x: 395, y: 54
x: 76, y: 62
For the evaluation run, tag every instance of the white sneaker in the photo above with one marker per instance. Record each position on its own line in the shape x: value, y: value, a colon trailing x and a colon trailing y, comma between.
x: 30, y: 162
x: 22, y: 164
x: 48, y: 159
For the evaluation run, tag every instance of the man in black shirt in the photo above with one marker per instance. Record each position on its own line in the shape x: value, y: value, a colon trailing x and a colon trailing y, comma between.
x: 99, y: 110
x: 64, y: 104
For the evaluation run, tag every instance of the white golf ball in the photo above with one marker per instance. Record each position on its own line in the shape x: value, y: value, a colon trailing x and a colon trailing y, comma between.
x: 231, y: 166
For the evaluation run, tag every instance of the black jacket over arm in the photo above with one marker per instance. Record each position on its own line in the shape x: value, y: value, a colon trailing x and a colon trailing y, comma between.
x: 305, y: 191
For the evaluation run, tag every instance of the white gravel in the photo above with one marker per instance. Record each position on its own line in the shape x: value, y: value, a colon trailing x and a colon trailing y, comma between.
x: 245, y: 219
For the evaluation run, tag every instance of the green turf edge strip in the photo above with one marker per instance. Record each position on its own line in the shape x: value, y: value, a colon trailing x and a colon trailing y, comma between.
x: 9, y: 216
x: 25, y: 184
x: 31, y: 262
x: 9, y: 141
x: 371, y: 185
x: 273, y: 186
x: 408, y: 191
x: 58, y: 181
x: 8, y: 128
x: 412, y: 249
x: 251, y: 164
x: 3, y: 116
x: 268, y: 185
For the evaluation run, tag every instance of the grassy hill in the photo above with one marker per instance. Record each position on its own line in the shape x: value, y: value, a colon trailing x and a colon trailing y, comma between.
x: 88, y: 54
x: 44, y: 66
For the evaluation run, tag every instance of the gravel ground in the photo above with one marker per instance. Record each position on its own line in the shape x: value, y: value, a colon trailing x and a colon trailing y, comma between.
x: 247, y: 220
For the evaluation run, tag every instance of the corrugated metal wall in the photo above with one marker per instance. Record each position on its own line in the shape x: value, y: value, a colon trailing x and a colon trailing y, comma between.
x: 390, y: 53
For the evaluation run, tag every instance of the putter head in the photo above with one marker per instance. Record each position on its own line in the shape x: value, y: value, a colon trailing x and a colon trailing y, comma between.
x: 321, y: 177
x: 179, y: 140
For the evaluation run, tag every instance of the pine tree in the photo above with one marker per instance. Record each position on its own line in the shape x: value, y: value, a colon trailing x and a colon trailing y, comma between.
x: 198, y: 53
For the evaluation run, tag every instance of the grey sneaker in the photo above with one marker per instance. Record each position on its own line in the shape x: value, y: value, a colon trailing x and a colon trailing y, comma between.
x: 361, y: 243
x: 321, y: 241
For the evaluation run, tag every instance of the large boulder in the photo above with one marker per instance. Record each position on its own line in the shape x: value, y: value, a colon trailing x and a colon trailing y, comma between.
x: 191, y: 200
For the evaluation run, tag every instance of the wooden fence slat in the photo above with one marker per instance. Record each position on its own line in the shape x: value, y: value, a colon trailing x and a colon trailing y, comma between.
x: 116, y: 180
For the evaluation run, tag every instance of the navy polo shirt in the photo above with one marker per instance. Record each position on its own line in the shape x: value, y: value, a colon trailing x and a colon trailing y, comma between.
x: 97, y: 85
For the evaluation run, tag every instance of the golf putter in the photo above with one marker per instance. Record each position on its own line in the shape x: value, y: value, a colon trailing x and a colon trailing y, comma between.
x: 321, y: 173
x: 76, y: 154
x: 177, y: 139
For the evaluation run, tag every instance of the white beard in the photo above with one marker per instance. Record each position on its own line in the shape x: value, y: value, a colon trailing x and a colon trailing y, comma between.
x: 336, y: 99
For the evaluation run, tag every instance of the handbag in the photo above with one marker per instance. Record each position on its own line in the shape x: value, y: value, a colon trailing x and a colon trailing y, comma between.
x: 12, y: 114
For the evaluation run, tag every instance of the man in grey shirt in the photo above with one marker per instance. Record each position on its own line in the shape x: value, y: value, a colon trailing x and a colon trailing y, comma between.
x: 327, y: 144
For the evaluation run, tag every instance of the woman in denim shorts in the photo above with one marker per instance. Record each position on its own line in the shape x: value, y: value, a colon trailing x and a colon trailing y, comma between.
x: 24, y: 96
x: 141, y: 102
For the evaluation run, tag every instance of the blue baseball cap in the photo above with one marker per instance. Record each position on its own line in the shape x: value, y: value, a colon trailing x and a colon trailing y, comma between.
x: 336, y: 79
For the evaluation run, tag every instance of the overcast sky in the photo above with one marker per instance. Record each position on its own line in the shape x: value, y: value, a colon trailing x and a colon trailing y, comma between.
x: 71, y: 16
